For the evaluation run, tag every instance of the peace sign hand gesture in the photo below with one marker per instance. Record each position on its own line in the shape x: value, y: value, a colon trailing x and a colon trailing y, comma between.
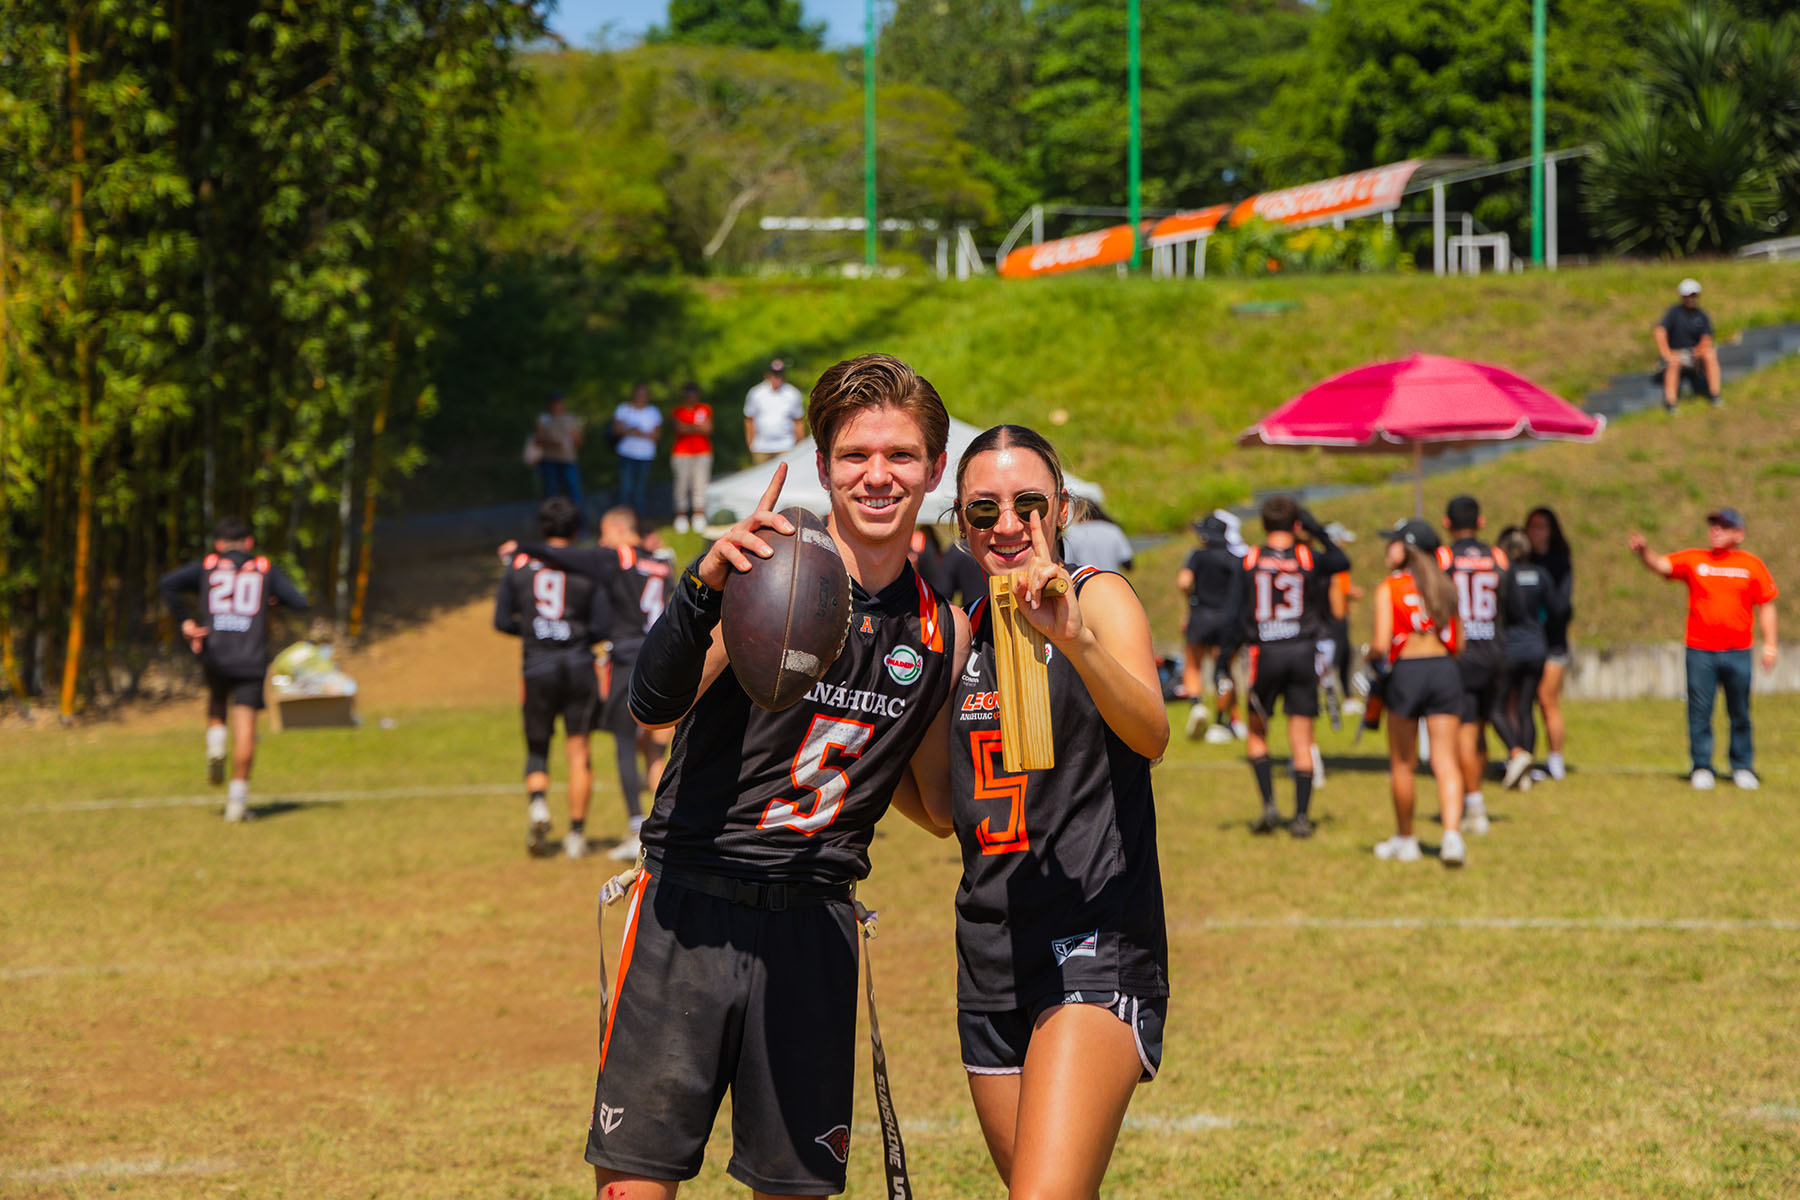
x: 1042, y: 590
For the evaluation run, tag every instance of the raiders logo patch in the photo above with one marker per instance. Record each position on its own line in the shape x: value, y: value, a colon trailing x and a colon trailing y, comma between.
x: 836, y: 1140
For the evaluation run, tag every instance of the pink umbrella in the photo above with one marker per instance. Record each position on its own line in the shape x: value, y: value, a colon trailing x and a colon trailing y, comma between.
x: 1423, y: 400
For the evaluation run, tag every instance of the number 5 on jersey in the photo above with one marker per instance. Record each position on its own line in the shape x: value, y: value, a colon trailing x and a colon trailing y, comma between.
x: 831, y: 743
x: 993, y: 783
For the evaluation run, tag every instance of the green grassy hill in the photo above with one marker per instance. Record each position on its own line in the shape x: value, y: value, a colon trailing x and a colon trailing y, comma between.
x: 1156, y: 378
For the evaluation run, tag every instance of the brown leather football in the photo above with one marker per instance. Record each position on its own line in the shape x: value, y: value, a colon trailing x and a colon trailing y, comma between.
x: 785, y: 620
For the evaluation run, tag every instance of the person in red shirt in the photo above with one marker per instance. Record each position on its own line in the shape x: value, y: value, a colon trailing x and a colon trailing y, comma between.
x: 1730, y: 593
x: 690, y: 458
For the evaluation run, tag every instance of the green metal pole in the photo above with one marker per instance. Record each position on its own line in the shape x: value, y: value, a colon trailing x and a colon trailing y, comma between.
x: 1537, y: 132
x: 1137, y: 148
x: 869, y: 134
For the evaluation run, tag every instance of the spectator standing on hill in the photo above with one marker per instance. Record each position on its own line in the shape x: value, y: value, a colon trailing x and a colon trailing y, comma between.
x: 1212, y: 582
x: 636, y: 425
x: 1684, y: 338
x: 1550, y: 551
x: 231, y: 637
x: 774, y: 415
x: 690, y: 458
x: 559, y: 436
x: 1730, y: 593
x: 1095, y: 540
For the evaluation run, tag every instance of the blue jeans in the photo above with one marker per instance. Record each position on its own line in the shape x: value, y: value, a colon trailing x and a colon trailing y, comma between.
x: 634, y: 483
x: 560, y: 479
x: 1707, y: 672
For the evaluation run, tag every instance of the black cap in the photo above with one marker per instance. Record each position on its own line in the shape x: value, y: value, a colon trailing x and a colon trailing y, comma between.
x: 1413, y: 533
x: 1730, y: 518
x: 1212, y: 530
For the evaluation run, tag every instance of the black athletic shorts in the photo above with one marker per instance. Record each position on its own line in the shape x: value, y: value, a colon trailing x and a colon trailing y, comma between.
x: 1483, y: 669
x: 1206, y: 627
x: 994, y: 1043
x: 224, y: 690
x: 1424, y: 687
x: 1284, y: 669
x: 562, y: 687
x: 712, y: 996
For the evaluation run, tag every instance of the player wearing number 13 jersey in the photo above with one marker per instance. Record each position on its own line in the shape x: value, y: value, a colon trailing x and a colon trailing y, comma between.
x: 738, y: 969
x: 231, y: 635
x: 1288, y: 612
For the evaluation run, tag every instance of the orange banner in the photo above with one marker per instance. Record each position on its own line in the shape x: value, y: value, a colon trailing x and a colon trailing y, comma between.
x: 1187, y: 226
x: 1096, y: 249
x: 1359, y: 194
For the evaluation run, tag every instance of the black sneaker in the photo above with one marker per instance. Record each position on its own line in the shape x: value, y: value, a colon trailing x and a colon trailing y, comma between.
x: 1269, y: 822
x: 1300, y: 826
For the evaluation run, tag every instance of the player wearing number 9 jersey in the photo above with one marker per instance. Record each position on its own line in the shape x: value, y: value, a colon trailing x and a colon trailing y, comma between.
x: 558, y: 615
x: 1288, y: 612
x: 1475, y: 569
x: 738, y: 969
x: 1062, y: 955
x: 231, y: 635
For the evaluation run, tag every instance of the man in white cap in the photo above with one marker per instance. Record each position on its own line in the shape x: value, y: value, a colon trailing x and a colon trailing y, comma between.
x: 774, y: 415
x: 1684, y: 338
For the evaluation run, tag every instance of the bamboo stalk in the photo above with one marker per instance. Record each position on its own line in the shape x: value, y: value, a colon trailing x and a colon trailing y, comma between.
x: 84, y: 488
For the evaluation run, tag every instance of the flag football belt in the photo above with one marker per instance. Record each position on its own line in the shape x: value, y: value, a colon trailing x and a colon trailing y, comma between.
x: 772, y: 897
x: 766, y: 896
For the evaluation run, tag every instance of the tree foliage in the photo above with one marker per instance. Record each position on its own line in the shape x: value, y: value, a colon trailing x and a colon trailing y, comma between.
x: 229, y: 231
x: 1701, y: 152
x: 744, y: 24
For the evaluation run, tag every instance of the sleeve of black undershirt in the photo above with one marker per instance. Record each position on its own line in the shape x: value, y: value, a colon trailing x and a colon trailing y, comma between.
x: 285, y: 591
x: 178, y: 582
x: 600, y: 616
x: 506, y: 609
x: 670, y: 664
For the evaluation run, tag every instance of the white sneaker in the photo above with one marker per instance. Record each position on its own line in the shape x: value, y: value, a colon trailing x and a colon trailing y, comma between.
x: 625, y: 851
x: 236, y: 811
x: 1218, y: 735
x: 1353, y: 707
x: 681, y: 523
x: 1195, y: 719
x: 1452, y: 853
x: 1239, y: 730
x: 1702, y: 779
x: 1745, y: 778
x: 1555, y: 765
x: 575, y: 845
x: 1475, y: 819
x: 1398, y: 849
x: 537, y: 835
x: 1518, y: 767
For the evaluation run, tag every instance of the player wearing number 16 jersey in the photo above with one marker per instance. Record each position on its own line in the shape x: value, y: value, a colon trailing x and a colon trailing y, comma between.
x: 1475, y: 568
x: 231, y: 636
x: 558, y: 615
x: 738, y: 969
x: 1288, y: 610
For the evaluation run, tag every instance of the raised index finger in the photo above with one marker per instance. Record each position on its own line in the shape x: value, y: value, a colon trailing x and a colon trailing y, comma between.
x: 773, y: 492
x: 1040, y: 542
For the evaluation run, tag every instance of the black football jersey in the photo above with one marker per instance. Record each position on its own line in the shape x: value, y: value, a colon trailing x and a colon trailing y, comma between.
x: 1287, y: 595
x: 236, y: 590
x: 793, y: 796
x: 552, y: 611
x: 1060, y: 890
x: 1218, y: 580
x: 1476, y: 569
x: 634, y: 585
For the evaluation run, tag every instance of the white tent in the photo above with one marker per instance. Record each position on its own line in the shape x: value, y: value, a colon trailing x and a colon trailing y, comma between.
x: 738, y: 494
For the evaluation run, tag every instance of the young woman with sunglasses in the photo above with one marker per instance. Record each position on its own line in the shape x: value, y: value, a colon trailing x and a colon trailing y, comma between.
x: 1062, y: 981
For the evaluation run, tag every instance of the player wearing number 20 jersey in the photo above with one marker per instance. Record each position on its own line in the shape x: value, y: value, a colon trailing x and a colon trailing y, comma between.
x: 1061, y: 891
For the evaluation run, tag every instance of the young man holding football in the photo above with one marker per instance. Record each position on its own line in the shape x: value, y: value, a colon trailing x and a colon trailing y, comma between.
x: 738, y: 968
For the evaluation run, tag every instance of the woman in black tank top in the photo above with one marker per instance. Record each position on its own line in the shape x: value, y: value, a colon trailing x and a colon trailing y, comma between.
x: 1062, y: 978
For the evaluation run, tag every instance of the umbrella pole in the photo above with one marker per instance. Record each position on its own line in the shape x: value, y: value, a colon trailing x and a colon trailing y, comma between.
x: 1418, y: 455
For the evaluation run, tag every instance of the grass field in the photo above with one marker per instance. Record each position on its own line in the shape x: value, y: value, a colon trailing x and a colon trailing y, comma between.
x: 372, y: 992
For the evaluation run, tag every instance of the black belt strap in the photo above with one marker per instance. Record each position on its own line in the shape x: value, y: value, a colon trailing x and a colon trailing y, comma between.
x: 772, y: 897
x: 893, y: 1159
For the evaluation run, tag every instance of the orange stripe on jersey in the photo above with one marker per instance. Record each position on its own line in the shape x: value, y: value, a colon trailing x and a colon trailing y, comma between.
x: 627, y: 557
x: 928, y: 617
x: 210, y: 561
x: 1250, y: 558
x: 631, y: 921
x: 1082, y: 573
x: 1303, y: 554
x: 262, y: 564
x: 520, y: 560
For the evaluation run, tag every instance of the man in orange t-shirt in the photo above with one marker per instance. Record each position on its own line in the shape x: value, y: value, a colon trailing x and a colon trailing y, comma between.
x: 1730, y: 593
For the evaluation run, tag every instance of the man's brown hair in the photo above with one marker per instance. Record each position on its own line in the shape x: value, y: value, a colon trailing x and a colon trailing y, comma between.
x: 1279, y: 514
x: 876, y: 381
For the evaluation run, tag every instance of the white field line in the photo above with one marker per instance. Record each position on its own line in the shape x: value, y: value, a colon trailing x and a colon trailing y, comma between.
x: 1545, y: 924
x: 1210, y: 925
x: 217, y: 799
x: 1777, y: 1112
x: 1197, y: 1122
x: 120, y: 1167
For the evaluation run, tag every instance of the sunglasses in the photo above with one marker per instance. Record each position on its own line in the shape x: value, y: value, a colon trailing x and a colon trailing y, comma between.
x: 985, y: 514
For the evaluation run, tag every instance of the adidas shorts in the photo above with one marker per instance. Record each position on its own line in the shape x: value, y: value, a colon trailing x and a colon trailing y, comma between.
x: 712, y: 997
x: 994, y: 1043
